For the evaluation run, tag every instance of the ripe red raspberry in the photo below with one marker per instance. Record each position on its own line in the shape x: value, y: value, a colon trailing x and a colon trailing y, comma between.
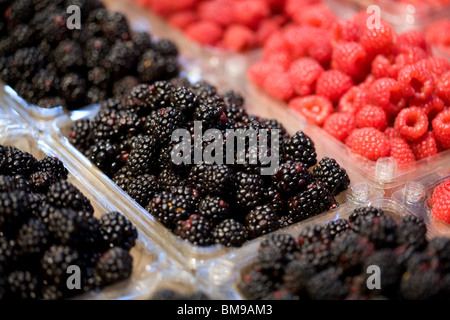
x: 430, y: 107
x: 441, y: 127
x: 304, y: 73
x: 392, y: 133
x: 412, y: 123
x: 354, y: 99
x: 298, y: 39
x: 320, y: 47
x: 409, y: 55
x: 387, y: 93
x: 350, y: 58
x: 425, y: 146
x: 258, y: 72
x: 333, y: 84
x: 441, y: 210
x: 181, y: 20
x: 416, y: 81
x: 378, y: 40
x: 369, y: 143
x: 401, y: 151
x: 250, y: 12
x: 181, y: 5
x: 345, y: 30
x: 314, y: 108
x: 238, y: 38
x: 371, y: 116
x: 291, y: 7
x: 443, y: 88
x: 438, y: 33
x: 442, y: 191
x: 267, y: 28
x: 161, y: 7
x: 413, y: 38
x: 385, y: 67
x: 437, y: 66
x: 204, y: 32
x: 339, y: 125
x: 279, y: 85
x: 218, y: 11
x: 315, y: 15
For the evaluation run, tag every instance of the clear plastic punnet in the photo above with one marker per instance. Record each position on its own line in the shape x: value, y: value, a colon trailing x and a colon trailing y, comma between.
x: 149, y: 258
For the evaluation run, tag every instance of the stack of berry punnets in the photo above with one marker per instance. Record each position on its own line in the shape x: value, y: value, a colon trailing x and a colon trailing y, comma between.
x: 381, y: 93
x: 130, y: 141
x: 50, y: 65
x: 47, y: 225
x: 332, y: 261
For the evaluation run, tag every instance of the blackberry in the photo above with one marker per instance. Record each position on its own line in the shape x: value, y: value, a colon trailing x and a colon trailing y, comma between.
x: 233, y: 98
x: 300, y: 148
x: 23, y: 285
x: 271, y: 261
x: 211, y: 179
x: 229, y: 233
x: 123, y: 178
x: 81, y: 134
x: 441, y: 248
x: 118, y: 231
x: 165, y: 47
x: 365, y: 211
x: 273, y: 124
x: 13, y: 209
x: 169, y: 208
x: 164, y: 122
x: 114, y: 125
x: 256, y: 285
x: 25, y: 62
x: 122, y: 87
x: 326, y: 285
x: 115, y: 26
x: 142, y: 189
x: 45, y: 83
x: 99, y: 77
x: 336, y: 228
x: 211, y: 116
x: 19, y: 11
x: 68, y: 56
x: 261, y: 220
x: 423, y: 261
x: 275, y: 199
x: 382, y: 231
x: 318, y: 254
x: 291, y: 177
x: 51, y: 102
x: 114, y: 265
x: 235, y: 113
x: 203, y: 89
x: 296, y: 274
x: 51, y: 25
x: 161, y: 95
x: 185, y: 100
x: 122, y: 58
x: 143, y: 152
x: 411, y: 232
x: 16, y: 182
x: 190, y: 194
x: 63, y: 194
x: 312, y: 234
x: 331, y: 175
x: 151, y: 66
x: 250, y: 190
x: 314, y: 200
x: 95, y: 95
x: 421, y: 286
x: 168, y: 179
x: 8, y: 256
x: 286, y: 221
x: 196, y: 229
x: 55, y: 167
x: 142, y: 41
x: 73, y: 89
x: 16, y: 161
x: 41, y: 181
x: 33, y: 237
x: 104, y: 155
x: 283, y: 242
x: 95, y: 51
x: 213, y: 208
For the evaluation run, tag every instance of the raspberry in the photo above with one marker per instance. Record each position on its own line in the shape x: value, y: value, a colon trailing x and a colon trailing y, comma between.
x: 316, y: 15
x: 369, y: 142
x: 378, y: 40
x: 279, y: 85
x: 410, y: 55
x: 267, y: 28
x: 401, y: 151
x: 345, y: 30
x: 441, y: 210
x: 443, y: 87
x: 353, y: 100
x: 392, y: 133
x: 260, y: 70
x: 340, y: 125
x: 413, y: 38
x: 425, y: 146
x: 275, y: 44
x: 238, y: 38
x: 204, y: 32
x: 412, y: 123
x: 430, y: 107
x: 181, y: 20
x: 297, y: 39
x: 416, y: 81
x: 442, y: 191
x: 333, y: 84
x: 320, y: 47
x: 387, y: 93
x: 315, y: 109
x: 371, y: 116
x: 304, y: 73
x: 217, y: 11
x: 350, y: 58
x: 438, y: 33
x: 441, y: 127
x: 162, y: 8
x: 384, y: 66
x: 181, y: 5
x: 293, y: 6
x: 250, y: 12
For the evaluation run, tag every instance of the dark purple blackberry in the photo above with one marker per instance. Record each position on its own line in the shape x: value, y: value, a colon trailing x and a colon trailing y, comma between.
x: 54, y: 166
x: 122, y: 87
x: 318, y: 254
x: 256, y: 285
x: 23, y: 285
x: 81, y: 134
x: 314, y: 200
x: 336, y: 228
x: 164, y: 122
x: 114, y: 265
x: 231, y: 97
x: 68, y: 56
x: 212, y: 116
x: 326, y: 285
x: 296, y: 274
x: 382, y: 231
x: 211, y: 179
x: 169, y: 208
x: 331, y: 175
x: 104, y: 155
x: 151, y: 66
x: 25, y: 90
x: 203, y: 89
x: 115, y: 26
x: 229, y: 233
x: 19, y: 11
x: 14, y: 208
x: 63, y: 194
x: 99, y: 77
x: 312, y: 234
x: 286, y: 221
x: 73, y: 89
x: 213, y: 208
x: 250, y: 190
x: 51, y: 24
x: 300, y: 148
x: 160, y: 95
x: 11, y: 183
x: 291, y: 177
x: 283, y: 242
x: 41, y: 181
x: 142, y: 189
x: 261, y: 220
x: 8, y: 255
x: 122, y: 58
x: 235, y: 113
x: 138, y: 99
x: 180, y: 81
x: 185, y: 100
x: 33, y: 237
x: 23, y: 37
x: 411, y: 232
x: 168, y: 179
x: 25, y: 62
x: 117, y: 231
x: 275, y: 199
x: 271, y: 261
x: 143, y: 152
x: 16, y: 161
x: 95, y: 95
x: 45, y: 83
x: 441, y: 248
x: 196, y: 229
x: 421, y: 286
x: 123, y: 178
x: 190, y: 194
x: 273, y: 124
x: 422, y: 261
x: 142, y: 41
x: 365, y: 211
x: 165, y: 47
x: 95, y: 50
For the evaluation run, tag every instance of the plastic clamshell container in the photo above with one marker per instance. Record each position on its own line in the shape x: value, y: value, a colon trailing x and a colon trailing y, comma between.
x: 226, y: 273
x: 149, y: 259
x: 190, y: 255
